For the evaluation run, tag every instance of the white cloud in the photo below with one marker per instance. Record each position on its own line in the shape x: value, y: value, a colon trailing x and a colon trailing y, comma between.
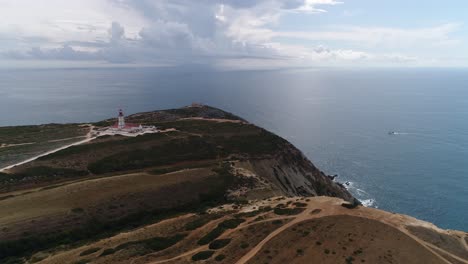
x: 311, y: 6
x: 381, y: 36
x: 213, y: 32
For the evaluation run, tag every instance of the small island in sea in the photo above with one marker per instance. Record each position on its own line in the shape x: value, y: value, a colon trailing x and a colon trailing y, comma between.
x: 190, y: 185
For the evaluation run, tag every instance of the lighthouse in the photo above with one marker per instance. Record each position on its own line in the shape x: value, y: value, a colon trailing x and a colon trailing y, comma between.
x: 121, y: 123
x: 127, y: 129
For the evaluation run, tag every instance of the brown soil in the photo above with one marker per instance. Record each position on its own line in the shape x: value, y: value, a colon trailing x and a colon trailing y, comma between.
x: 343, y: 239
x: 444, y: 241
x: 325, y: 232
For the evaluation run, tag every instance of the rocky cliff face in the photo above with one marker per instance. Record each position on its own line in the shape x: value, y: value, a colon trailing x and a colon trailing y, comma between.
x: 288, y: 173
x: 285, y: 171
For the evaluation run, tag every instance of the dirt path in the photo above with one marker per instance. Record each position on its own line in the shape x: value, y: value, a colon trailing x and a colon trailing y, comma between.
x: 224, y: 235
x: 88, y: 139
x: 307, y: 215
x: 301, y: 217
x: 15, y: 145
x: 185, y: 254
x: 64, y: 139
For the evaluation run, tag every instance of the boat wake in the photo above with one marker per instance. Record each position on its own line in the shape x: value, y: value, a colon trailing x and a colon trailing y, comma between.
x: 398, y: 133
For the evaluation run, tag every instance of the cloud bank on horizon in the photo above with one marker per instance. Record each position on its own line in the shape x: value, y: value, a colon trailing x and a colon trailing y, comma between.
x: 232, y: 34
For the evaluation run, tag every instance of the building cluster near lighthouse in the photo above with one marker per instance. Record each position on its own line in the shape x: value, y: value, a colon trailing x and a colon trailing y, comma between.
x: 121, y: 127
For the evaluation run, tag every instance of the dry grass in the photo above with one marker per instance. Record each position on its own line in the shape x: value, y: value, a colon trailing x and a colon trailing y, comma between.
x: 343, y: 239
x: 105, y: 197
x: 324, y: 232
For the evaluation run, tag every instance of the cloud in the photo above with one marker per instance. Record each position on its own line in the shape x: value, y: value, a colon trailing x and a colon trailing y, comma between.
x: 380, y: 36
x: 211, y: 32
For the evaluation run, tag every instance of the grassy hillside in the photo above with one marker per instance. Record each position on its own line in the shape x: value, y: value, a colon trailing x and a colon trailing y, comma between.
x: 22, y: 142
x: 203, y: 157
x: 316, y: 229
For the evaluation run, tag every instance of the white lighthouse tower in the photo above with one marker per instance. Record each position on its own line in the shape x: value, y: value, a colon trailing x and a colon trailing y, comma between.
x: 121, y: 124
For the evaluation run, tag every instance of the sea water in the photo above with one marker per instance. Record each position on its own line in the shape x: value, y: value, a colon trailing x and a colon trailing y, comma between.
x: 340, y: 119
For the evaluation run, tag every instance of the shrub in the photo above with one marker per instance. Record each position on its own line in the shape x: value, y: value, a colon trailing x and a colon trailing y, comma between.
x: 197, y: 223
x: 202, y: 255
x: 244, y: 245
x: 219, y: 230
x: 89, y: 251
x: 220, y: 257
x: 192, y: 148
x: 13, y: 261
x: 219, y: 243
x: 212, y: 235
x: 288, y: 211
x: 77, y: 210
x: 298, y: 204
x: 231, y: 223
x: 107, y: 251
x: 89, y: 231
x: 349, y: 260
x: 41, y: 172
x: 153, y: 244
x: 277, y: 222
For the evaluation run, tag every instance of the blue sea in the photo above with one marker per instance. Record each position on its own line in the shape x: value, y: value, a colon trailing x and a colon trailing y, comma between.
x: 339, y: 118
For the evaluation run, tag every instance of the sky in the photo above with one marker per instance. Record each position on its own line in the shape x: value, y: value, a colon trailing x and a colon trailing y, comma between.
x: 233, y: 34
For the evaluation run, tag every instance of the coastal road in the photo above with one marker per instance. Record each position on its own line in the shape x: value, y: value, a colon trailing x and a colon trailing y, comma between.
x: 88, y: 139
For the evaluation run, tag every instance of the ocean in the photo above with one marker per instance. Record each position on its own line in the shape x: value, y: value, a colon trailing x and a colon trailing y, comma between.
x: 339, y: 118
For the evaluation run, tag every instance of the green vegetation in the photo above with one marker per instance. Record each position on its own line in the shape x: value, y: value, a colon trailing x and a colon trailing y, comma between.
x: 13, y: 261
x: 89, y: 251
x: 152, y: 244
x: 254, y: 213
x: 105, y: 145
x: 40, y: 133
x: 77, y: 210
x: 219, y: 230
x: 6, y: 197
x: 90, y: 231
x: 107, y: 251
x: 169, y: 169
x: 349, y: 260
x: 191, y: 148
x: 299, y: 204
x: 231, y: 223
x: 244, y: 245
x: 219, y: 243
x: 220, y: 257
x: 277, y: 222
x: 201, y: 221
x: 40, y: 173
x: 218, y: 140
x: 288, y: 211
x: 24, y: 142
x: 202, y: 255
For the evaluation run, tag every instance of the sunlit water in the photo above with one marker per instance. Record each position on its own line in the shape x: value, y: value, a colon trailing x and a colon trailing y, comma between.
x: 339, y: 119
